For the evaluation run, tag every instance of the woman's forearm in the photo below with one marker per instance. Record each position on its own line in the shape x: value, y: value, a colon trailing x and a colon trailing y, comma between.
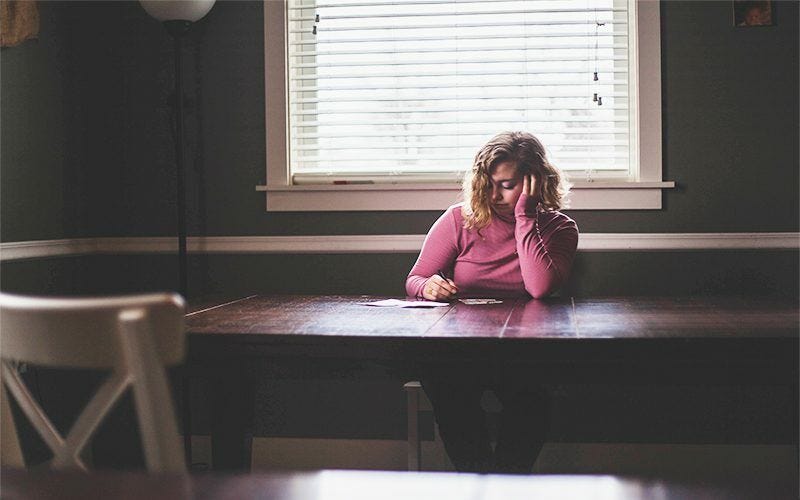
x: 546, y: 244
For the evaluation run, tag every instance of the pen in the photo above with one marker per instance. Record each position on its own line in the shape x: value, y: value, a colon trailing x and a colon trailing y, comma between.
x: 441, y: 275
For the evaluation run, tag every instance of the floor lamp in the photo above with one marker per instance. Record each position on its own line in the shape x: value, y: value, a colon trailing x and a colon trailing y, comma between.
x: 177, y: 17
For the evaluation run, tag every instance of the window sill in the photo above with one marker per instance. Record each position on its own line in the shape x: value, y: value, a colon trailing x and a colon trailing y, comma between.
x: 437, y: 197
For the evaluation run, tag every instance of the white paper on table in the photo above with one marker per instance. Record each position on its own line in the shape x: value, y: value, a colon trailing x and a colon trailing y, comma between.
x: 404, y: 303
x: 473, y: 302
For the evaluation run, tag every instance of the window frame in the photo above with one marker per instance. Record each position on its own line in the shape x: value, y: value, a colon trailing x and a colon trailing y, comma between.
x: 643, y: 192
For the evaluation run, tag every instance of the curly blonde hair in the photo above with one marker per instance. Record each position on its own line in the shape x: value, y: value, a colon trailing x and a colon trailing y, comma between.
x: 527, y: 153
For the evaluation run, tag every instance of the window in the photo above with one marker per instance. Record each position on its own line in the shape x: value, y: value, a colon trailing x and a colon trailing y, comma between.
x: 381, y: 105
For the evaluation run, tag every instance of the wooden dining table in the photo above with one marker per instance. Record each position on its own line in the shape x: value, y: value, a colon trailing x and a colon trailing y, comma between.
x: 371, y: 485
x: 675, y: 340
x: 356, y: 485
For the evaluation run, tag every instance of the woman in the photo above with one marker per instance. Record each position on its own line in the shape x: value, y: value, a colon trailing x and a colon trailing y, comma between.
x: 506, y: 239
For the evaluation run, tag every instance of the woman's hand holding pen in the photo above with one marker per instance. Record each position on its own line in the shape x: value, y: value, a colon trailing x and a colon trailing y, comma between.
x: 439, y: 288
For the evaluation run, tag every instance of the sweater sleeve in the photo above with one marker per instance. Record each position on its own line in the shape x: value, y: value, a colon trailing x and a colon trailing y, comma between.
x: 439, y: 251
x: 546, y: 244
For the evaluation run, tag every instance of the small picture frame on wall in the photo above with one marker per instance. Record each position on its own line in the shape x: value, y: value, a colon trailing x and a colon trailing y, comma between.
x: 750, y: 13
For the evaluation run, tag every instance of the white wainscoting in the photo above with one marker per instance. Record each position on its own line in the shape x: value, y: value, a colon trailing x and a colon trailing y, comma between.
x: 390, y: 243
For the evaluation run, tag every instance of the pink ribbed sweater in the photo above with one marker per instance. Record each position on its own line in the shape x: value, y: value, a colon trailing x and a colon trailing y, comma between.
x: 531, y: 252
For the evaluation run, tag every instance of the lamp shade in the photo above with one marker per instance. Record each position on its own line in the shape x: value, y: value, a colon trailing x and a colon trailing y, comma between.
x: 177, y: 10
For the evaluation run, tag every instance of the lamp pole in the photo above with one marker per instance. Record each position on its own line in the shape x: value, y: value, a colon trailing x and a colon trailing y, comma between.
x: 178, y: 29
x: 177, y: 17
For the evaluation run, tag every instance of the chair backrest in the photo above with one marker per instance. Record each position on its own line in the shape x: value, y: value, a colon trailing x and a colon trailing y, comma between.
x: 133, y: 336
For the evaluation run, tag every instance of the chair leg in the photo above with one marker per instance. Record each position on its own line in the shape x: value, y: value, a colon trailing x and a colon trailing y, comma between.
x: 186, y: 395
x: 413, y: 392
x: 10, y: 450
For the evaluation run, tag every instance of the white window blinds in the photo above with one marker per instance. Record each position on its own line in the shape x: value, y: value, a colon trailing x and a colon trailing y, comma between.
x: 401, y: 90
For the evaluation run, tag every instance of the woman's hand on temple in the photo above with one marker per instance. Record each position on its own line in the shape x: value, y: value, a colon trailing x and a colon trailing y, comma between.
x: 527, y: 204
x: 529, y: 185
x: 439, y: 289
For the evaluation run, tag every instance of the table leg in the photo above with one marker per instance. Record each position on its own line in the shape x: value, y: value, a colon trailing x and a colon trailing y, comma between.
x: 186, y: 416
x: 232, y: 418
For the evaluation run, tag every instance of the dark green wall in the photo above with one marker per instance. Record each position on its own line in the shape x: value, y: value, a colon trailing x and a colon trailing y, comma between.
x: 43, y: 181
x: 87, y: 151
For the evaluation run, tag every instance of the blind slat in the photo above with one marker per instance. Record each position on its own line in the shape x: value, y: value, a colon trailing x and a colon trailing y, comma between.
x: 585, y: 169
x: 391, y: 112
x: 454, y: 38
x: 444, y: 73
x: 424, y: 145
x: 565, y: 94
x: 401, y: 14
x: 361, y: 157
x: 321, y: 28
x: 475, y: 133
x: 473, y: 60
x: 439, y: 85
x: 418, y: 120
x: 418, y: 51
x: 299, y: 5
x: 431, y: 175
x: 391, y: 49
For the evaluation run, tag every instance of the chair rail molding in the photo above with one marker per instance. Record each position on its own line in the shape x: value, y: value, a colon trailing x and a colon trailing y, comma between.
x: 383, y: 243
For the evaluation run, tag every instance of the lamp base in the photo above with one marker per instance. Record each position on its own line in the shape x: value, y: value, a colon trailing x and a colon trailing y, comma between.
x: 177, y: 28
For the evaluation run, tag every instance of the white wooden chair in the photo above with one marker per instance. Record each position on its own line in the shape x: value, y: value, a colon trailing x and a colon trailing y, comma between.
x: 134, y: 336
x: 416, y: 402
